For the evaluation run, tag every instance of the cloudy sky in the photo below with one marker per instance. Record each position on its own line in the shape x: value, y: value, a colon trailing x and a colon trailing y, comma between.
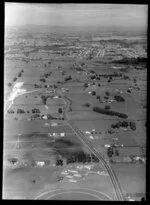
x: 76, y: 14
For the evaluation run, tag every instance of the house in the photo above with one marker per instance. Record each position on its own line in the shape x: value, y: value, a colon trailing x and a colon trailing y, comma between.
x: 62, y: 134
x: 87, y: 132
x: 54, y: 124
x: 45, y: 117
x: 40, y: 163
x: 88, y: 166
x: 71, y: 180
x: 74, y: 171
x: 107, y: 145
x: 55, y: 97
x: 55, y: 134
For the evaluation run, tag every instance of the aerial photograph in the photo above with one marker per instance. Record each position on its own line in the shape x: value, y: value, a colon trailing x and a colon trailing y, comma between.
x: 75, y: 102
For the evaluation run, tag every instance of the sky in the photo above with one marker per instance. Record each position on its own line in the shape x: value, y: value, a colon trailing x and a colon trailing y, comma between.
x: 76, y: 14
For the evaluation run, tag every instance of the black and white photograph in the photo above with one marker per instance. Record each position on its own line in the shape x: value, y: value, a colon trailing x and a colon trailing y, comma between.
x: 75, y: 101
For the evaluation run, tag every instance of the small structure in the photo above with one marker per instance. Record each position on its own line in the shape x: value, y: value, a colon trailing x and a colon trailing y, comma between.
x: 107, y: 145
x: 88, y: 166
x: 54, y: 124
x: 44, y: 117
x: 62, y: 134
x: 87, y: 132
x: 71, y: 180
x: 46, y: 124
x: 40, y: 163
x: 91, y: 137
x: 77, y: 175
x: 68, y: 176
x: 55, y: 97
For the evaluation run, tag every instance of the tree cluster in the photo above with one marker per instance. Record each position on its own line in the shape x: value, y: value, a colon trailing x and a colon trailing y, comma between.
x: 68, y: 78
x: 81, y: 157
x: 43, y: 80
x: 10, y: 111
x: 124, y: 124
x: 119, y: 98
x: 131, y: 61
x: 35, y: 110
x: 20, y: 111
x: 109, y: 112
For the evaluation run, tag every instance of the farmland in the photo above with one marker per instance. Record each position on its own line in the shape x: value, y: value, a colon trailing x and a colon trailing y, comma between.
x: 78, y: 108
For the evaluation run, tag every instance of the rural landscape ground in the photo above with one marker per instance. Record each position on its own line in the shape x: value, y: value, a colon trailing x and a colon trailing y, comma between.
x: 74, y: 114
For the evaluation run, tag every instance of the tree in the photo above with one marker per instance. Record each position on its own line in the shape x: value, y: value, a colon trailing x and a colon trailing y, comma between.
x: 93, y: 77
x: 59, y: 162
x: 43, y: 80
x: 14, y: 79
x: 116, y: 152
x: 68, y: 78
x: 143, y: 199
x: 85, y: 85
x: 110, y: 152
x: 107, y: 107
x: 93, y: 92
x: 35, y: 110
x: 9, y: 84
x: 10, y: 111
x: 132, y: 125
x: 44, y: 99
x: 19, y: 75
x: 98, y: 97
x: 60, y: 111
x: 107, y: 93
x: 87, y: 105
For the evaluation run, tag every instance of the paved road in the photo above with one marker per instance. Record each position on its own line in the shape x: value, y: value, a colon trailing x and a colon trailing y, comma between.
x: 114, y: 180
x: 97, y: 195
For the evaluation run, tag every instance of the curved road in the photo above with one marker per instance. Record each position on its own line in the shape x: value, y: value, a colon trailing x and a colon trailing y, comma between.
x: 97, y: 195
